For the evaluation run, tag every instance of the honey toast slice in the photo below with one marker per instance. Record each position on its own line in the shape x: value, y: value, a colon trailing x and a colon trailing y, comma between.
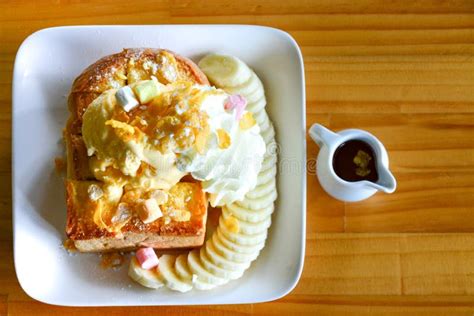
x: 112, y: 72
x: 169, y: 231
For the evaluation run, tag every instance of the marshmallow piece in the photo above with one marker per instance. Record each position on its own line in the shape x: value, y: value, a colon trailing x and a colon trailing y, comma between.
x: 149, y: 211
x: 147, y: 258
x: 94, y: 192
x: 237, y: 102
x: 126, y: 98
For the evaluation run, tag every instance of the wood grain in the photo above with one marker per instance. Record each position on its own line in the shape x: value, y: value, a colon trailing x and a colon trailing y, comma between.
x: 403, y: 70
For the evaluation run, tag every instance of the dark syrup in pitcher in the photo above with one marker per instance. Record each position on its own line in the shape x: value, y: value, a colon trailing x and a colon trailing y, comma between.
x: 354, y: 160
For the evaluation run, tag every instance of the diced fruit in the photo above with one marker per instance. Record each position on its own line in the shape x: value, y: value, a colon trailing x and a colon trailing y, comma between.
x: 201, y: 140
x: 247, y: 121
x: 146, y: 90
x: 223, y: 138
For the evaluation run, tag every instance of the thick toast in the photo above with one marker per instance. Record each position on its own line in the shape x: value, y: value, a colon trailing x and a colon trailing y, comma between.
x: 88, y: 236
x: 110, y: 72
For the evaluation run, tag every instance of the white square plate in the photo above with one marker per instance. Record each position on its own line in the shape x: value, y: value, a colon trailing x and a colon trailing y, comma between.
x: 45, y: 66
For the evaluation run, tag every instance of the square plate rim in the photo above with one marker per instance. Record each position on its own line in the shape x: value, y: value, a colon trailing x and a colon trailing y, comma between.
x: 290, y: 286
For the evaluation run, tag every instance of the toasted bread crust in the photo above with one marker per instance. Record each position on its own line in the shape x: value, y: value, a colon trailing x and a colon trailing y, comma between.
x: 87, y: 236
x: 115, y: 71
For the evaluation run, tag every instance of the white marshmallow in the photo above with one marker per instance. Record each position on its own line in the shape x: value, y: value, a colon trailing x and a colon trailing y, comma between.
x: 126, y: 98
x: 149, y: 211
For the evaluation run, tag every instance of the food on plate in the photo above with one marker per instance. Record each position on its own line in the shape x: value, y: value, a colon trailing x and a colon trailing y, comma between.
x: 150, y: 144
x: 116, y: 198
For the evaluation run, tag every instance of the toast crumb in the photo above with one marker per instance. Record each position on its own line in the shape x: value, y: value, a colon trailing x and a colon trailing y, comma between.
x: 112, y: 260
x: 59, y: 164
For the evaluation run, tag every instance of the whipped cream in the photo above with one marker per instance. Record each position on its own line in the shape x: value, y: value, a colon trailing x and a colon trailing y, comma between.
x: 227, y: 172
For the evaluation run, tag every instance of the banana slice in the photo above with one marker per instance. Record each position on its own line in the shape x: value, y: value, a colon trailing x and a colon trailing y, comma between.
x: 182, y: 269
x: 216, y: 270
x: 203, y: 286
x: 147, y: 278
x: 264, y: 126
x: 248, y: 215
x: 270, y: 158
x: 265, y: 176
x: 262, y: 189
x: 271, y: 150
x: 259, y: 203
x: 230, y: 254
x: 241, y: 239
x: 247, y: 228
x: 268, y: 134
x: 202, y: 275
x: 254, y: 96
x: 247, y: 88
x: 238, y: 248
x: 225, y: 71
x: 261, y: 117
x: 185, y: 274
x: 257, y: 106
x: 167, y: 273
x: 222, y: 262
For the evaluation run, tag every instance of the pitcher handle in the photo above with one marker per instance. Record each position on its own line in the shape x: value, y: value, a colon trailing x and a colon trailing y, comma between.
x: 321, y: 135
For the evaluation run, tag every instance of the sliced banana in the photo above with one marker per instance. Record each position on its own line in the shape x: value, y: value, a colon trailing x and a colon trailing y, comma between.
x: 239, y: 248
x: 248, y: 87
x: 246, y: 214
x: 222, y: 262
x: 200, y: 285
x: 202, y: 275
x: 262, y: 189
x: 261, y: 117
x: 182, y: 269
x: 168, y: 274
x: 147, y: 278
x: 231, y: 255
x: 254, y: 96
x: 225, y: 71
x: 241, y: 239
x: 248, y: 228
x: 216, y: 270
x: 268, y: 134
x: 259, y: 203
x: 264, y: 126
x: 265, y: 176
x: 257, y: 106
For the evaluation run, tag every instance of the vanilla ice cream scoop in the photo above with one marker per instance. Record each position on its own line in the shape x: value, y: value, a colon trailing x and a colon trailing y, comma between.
x: 124, y: 147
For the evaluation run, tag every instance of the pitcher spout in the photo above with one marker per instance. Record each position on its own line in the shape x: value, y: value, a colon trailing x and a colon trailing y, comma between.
x: 386, y: 182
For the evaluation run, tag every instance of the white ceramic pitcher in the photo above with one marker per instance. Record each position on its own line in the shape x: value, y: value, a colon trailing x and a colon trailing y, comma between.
x: 338, y: 188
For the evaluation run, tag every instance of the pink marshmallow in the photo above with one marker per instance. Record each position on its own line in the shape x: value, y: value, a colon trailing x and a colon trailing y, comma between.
x: 147, y: 258
x: 237, y: 102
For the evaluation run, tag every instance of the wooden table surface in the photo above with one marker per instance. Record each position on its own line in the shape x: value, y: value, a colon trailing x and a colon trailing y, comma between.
x: 403, y: 70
